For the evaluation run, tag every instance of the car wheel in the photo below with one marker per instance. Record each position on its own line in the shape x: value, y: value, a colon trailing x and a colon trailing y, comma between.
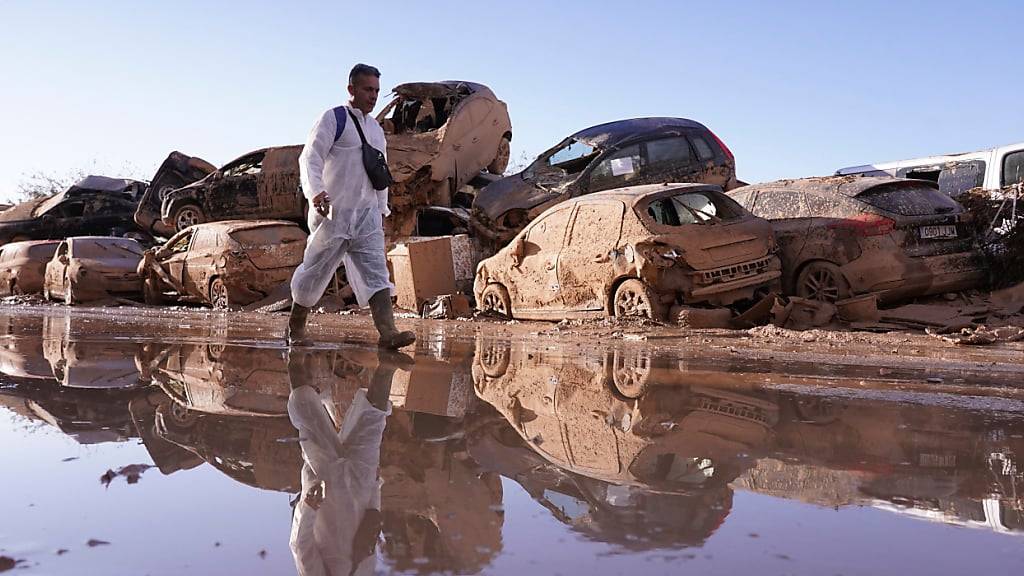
x: 187, y: 215
x: 635, y: 299
x: 494, y: 359
x: 631, y: 373
x: 495, y: 299
x: 219, y: 294
x: 500, y: 162
x: 822, y: 281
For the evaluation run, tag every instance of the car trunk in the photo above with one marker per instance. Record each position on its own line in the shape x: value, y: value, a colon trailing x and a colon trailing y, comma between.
x: 926, y: 221
x: 712, y: 246
x: 273, y: 247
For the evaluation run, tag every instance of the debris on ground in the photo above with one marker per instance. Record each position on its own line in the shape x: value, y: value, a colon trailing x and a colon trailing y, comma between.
x: 992, y: 219
x: 130, y: 473
x: 982, y: 336
x: 689, y: 317
x: 1009, y: 300
x: 863, y: 308
x: 422, y: 269
x: 447, y: 307
x: 802, y: 313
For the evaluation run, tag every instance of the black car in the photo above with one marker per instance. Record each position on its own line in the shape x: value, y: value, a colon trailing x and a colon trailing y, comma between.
x: 95, y: 206
x: 612, y: 155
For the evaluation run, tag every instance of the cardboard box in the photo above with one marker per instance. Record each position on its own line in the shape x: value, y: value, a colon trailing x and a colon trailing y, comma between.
x: 422, y: 269
x: 433, y: 387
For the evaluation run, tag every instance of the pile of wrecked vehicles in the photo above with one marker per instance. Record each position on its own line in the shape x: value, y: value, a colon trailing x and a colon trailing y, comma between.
x: 635, y: 218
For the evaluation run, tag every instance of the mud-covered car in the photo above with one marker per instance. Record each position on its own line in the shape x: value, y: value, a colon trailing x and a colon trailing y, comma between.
x: 612, y: 155
x: 262, y: 184
x: 223, y: 264
x: 177, y: 170
x: 95, y: 205
x: 631, y: 252
x: 440, y: 136
x: 841, y: 236
x: 89, y: 268
x: 23, y: 265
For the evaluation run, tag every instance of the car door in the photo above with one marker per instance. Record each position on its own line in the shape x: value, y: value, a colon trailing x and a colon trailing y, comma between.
x: 613, y: 169
x: 199, y: 262
x: 236, y: 191
x: 791, y: 220
x: 669, y: 160
x: 56, y: 270
x: 174, y: 263
x: 584, y: 265
x: 535, y: 285
x: 66, y: 219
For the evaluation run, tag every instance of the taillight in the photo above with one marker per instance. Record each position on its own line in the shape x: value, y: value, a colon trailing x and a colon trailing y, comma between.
x: 865, y: 225
x: 722, y: 145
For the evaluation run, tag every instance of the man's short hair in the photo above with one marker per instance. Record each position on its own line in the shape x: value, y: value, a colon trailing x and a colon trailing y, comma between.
x: 362, y: 70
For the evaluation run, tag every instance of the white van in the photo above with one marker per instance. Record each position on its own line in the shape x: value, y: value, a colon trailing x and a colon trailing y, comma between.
x: 994, y: 170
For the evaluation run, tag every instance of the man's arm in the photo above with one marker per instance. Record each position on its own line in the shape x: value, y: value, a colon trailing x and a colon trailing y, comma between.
x: 314, y: 154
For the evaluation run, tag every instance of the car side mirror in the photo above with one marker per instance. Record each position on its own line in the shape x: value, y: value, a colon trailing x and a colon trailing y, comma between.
x: 518, y: 251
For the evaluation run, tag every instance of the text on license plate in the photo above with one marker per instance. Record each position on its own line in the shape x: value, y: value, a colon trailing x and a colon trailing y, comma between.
x: 944, y: 231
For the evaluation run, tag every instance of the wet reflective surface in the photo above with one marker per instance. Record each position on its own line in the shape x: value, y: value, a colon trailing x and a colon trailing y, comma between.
x: 214, y: 450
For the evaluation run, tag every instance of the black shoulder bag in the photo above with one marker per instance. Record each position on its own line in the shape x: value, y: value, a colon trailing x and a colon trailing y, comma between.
x: 373, y: 160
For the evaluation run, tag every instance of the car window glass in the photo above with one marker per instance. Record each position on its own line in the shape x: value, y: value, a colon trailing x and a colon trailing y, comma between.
x: 549, y: 232
x: 618, y: 169
x: 569, y: 153
x: 779, y: 204
x: 704, y: 151
x: 957, y: 178
x: 268, y: 236
x: 182, y: 244
x: 42, y: 251
x: 107, y: 248
x: 693, y: 208
x: 249, y: 165
x: 669, y: 153
x: 1013, y: 168
x: 913, y: 200
x: 72, y: 209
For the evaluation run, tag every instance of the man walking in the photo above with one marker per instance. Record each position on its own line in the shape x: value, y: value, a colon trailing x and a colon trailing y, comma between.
x: 346, y: 219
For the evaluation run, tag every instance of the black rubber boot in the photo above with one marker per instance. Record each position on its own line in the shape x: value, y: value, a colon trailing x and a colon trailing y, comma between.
x: 384, y: 320
x: 296, y: 334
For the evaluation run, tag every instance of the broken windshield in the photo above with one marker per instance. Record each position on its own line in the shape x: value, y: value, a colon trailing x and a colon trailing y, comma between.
x: 569, y: 158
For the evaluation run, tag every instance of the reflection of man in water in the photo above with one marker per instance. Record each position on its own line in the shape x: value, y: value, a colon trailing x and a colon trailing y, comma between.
x: 336, y: 523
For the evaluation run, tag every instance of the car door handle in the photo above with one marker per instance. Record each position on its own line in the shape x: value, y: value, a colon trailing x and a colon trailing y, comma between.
x: 600, y: 259
x: 549, y: 265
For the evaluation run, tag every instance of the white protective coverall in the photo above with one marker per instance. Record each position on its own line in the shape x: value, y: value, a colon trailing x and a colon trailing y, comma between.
x: 347, y: 462
x: 353, y: 231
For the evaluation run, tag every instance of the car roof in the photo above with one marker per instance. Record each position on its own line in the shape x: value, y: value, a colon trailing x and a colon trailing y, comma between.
x: 438, y: 89
x: 633, y: 195
x: 27, y: 244
x: 236, y: 225
x: 264, y: 150
x: 849, y: 186
x: 100, y: 238
x: 613, y: 133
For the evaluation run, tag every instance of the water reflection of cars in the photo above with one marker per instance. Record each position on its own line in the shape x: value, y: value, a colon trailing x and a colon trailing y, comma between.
x: 631, y: 252
x: 79, y: 360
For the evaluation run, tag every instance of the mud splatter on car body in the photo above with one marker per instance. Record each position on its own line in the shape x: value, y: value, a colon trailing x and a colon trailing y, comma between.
x: 23, y: 266
x: 841, y: 236
x: 177, y: 170
x: 88, y: 268
x: 631, y: 251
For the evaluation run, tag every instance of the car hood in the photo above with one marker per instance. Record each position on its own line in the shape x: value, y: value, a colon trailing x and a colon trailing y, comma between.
x: 509, y: 193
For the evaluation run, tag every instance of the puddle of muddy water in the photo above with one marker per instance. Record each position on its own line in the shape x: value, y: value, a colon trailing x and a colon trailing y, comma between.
x: 153, y: 450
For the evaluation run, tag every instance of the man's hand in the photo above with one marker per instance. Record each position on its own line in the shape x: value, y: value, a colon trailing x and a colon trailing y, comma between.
x: 322, y: 203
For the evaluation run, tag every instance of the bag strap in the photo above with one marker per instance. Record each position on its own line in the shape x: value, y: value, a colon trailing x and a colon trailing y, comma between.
x: 358, y: 127
x: 339, y: 122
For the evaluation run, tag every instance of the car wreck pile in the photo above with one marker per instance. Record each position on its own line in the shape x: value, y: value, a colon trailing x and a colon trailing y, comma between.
x: 634, y: 218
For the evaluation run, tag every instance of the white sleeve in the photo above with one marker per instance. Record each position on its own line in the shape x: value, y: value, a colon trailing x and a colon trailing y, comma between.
x: 314, y: 153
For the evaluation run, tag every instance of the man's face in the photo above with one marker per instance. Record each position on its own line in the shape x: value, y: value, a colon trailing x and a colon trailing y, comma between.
x: 364, y: 91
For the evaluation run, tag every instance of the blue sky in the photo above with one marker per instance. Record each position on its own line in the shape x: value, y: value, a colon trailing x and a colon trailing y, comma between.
x: 794, y: 88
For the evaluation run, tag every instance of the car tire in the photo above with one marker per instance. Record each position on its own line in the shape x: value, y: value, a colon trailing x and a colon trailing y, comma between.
x: 634, y: 299
x: 822, y: 281
x: 494, y: 359
x: 495, y: 299
x: 187, y: 215
x: 631, y: 374
x: 501, y: 157
x: 218, y: 294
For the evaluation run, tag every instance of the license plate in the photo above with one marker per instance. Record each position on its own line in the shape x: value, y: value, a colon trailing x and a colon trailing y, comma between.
x: 944, y: 231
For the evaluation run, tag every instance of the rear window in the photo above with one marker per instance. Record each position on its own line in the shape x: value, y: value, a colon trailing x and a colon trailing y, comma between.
x: 704, y: 150
x: 105, y: 249
x: 42, y: 251
x: 695, y: 207
x: 267, y: 235
x: 908, y: 200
